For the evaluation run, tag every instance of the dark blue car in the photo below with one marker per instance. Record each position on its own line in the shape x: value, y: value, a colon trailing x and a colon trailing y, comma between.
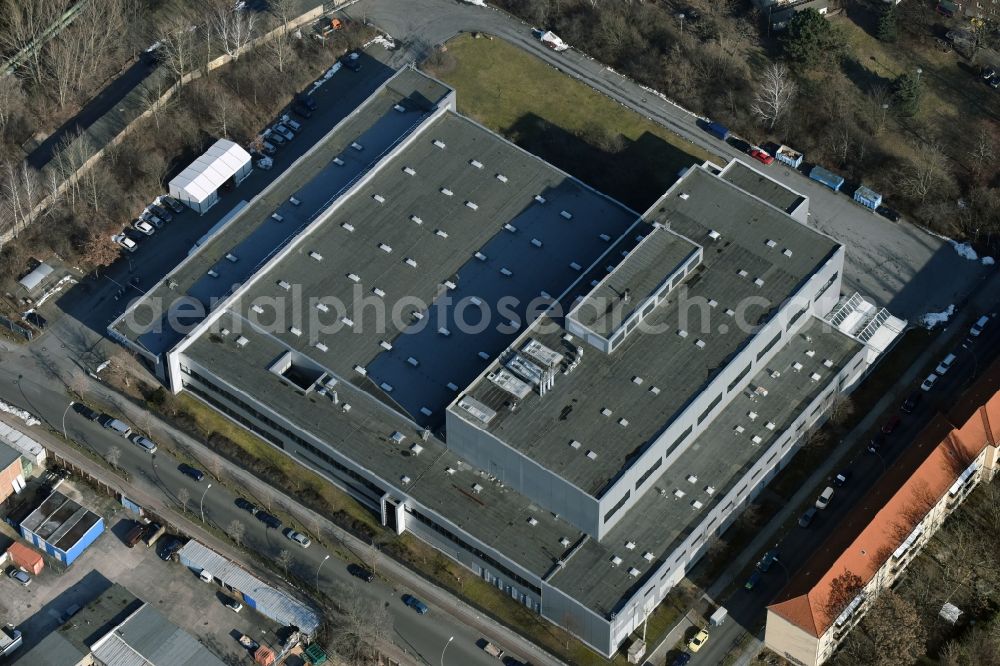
x: 415, y: 604
x: 193, y: 472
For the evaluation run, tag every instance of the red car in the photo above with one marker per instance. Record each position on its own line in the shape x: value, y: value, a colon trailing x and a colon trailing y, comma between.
x: 761, y: 155
x: 891, y: 424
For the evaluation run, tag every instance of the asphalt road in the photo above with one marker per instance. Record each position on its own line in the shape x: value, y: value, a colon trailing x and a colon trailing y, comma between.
x: 747, y: 608
x: 898, y: 265
x: 422, y: 636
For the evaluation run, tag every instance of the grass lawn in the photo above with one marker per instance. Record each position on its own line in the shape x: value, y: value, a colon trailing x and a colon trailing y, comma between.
x: 564, y: 121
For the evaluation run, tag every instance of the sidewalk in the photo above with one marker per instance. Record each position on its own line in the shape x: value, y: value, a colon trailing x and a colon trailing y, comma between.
x: 182, y: 521
x: 389, y: 568
x: 985, y: 298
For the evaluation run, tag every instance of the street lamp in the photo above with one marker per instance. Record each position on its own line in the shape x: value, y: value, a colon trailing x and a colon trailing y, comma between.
x: 318, y: 570
x: 71, y: 403
x: 681, y: 17
x: 445, y: 648
x: 201, y: 504
x: 919, y: 72
x: 885, y: 109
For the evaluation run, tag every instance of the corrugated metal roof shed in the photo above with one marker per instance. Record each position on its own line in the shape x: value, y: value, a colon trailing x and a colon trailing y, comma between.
x: 147, y: 637
x: 209, y: 172
x: 269, y: 601
x: 35, y: 277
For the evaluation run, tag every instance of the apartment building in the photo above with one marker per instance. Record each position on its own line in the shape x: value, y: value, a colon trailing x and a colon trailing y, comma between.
x: 951, y: 456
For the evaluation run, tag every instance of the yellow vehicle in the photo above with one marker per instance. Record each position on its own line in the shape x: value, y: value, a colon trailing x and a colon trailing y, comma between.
x: 699, y: 639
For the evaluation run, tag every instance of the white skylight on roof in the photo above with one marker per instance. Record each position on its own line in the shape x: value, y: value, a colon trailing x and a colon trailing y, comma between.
x: 592, y: 455
x: 445, y: 191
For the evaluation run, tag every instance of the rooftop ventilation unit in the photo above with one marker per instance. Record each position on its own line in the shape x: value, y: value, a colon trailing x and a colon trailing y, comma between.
x: 480, y: 256
x: 448, y: 193
x: 691, y: 478
x: 257, y: 309
x: 542, y: 354
x: 759, y: 282
x: 284, y: 285
x: 502, y: 178
x: 712, y: 303
x: 471, y: 205
x: 532, y: 521
x: 385, y: 248
x: 506, y: 272
x: 536, y: 242
x: 682, y: 333
x: 399, y: 107
x: 655, y: 390
x: 212, y: 273
x: 827, y: 363
x: 277, y: 218
x: 449, y: 284
x: 357, y: 146
x: 425, y: 411
x: 566, y: 215
x: 742, y: 273
x: 575, y: 266
x: 241, y: 341
x: 231, y: 257
x: 409, y: 171
x: 444, y: 331
x: 797, y: 367
x: 684, y: 196
x: 810, y: 353
x: 574, y: 444
x: 630, y: 545
x: 379, y: 198
x: 347, y: 225
x: 412, y: 361
x: 615, y: 560
x: 592, y: 455
x: 410, y: 262
x: 770, y: 243
x: 416, y: 220
x: 338, y: 161
x: 814, y: 376
x: 634, y: 572
x: 539, y: 198
x: 678, y: 494
x: 756, y: 439
x: 786, y: 252
x: 606, y: 238
x: 700, y: 344
x: 441, y: 232
x: 316, y: 255
x: 510, y: 227
x: 483, y: 355
x: 623, y: 423
x: 564, y: 542
x: 714, y: 235
x: 418, y: 315
x: 510, y: 383
x: 648, y: 556
x: 606, y: 412
x: 770, y: 425
x: 449, y: 470
x: 386, y: 345
x: 354, y: 277
x: 476, y: 163
x: 710, y: 490
x: 637, y: 380
x: 378, y: 292
x: 476, y: 488
x: 416, y: 449
x: 403, y: 479
x: 439, y: 143
x: 346, y: 321
x: 295, y: 331
x: 696, y: 505
x: 397, y: 437
x: 739, y: 430
x: 752, y: 416
x: 386, y: 386
x: 320, y: 346
x: 452, y: 386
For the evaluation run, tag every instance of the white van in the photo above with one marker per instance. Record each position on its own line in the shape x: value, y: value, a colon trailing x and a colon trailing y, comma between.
x: 945, y: 364
x: 823, y: 500
x: 978, y: 327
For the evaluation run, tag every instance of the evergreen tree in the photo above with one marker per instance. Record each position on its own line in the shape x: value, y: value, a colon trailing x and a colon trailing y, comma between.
x: 811, y: 40
x: 887, y: 25
x: 906, y: 90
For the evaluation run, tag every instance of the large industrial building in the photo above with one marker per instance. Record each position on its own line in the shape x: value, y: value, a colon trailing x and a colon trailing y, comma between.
x: 567, y: 397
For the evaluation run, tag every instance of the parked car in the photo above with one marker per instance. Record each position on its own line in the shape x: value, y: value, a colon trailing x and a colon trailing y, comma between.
x: 769, y: 558
x: 144, y: 227
x: 298, y: 537
x: 415, y: 604
x: 840, y: 480
x: 977, y: 328
x: 161, y: 212
x: 891, y: 424
x: 282, y: 130
x: 360, y: 572
x: 995, y: 82
x: 277, y: 139
x: 293, y: 125
x: 929, y: 382
x: 698, y: 640
x: 135, y: 535
x: 911, y: 402
x: 152, y: 218
x: 307, y: 101
x: 987, y: 73
x: 945, y: 364
x: 761, y: 155
x: 302, y: 111
x: 19, y: 576
x: 268, y: 519
x: 233, y: 605
x: 875, y: 445
x: 173, y: 204
x: 268, y: 147
x: 111, y: 423
x: 126, y: 242
x: 148, y: 445
x: 752, y: 580
x: 68, y: 614
x: 350, y: 61
x: 193, y: 472
x: 152, y: 534
x: 682, y: 659
x: 173, y: 545
x: 824, y: 498
x: 247, y: 505
x: 889, y: 213
x: 806, y: 518
x: 86, y: 412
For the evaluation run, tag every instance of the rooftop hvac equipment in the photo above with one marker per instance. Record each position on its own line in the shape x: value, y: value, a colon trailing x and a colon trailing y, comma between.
x: 525, y: 369
x: 477, y: 410
x: 510, y: 383
x: 544, y: 356
x: 397, y: 437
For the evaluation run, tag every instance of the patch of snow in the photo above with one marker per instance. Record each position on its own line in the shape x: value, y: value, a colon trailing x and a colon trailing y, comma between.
x: 964, y: 250
x: 27, y: 417
x: 987, y: 261
x: 932, y: 319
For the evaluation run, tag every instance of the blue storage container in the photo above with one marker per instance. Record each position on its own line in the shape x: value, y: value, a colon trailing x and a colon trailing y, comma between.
x: 868, y: 197
x: 718, y: 130
x: 789, y: 156
x: 828, y: 178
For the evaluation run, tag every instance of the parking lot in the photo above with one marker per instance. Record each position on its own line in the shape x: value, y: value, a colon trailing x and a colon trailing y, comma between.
x: 175, y: 591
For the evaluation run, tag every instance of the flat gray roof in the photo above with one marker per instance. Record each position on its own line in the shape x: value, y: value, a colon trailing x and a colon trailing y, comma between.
x: 495, y: 515
x: 61, y: 521
x: 760, y: 253
x: 147, y: 637
x: 719, y: 458
x: 371, y: 254
x: 638, y: 275
x: 762, y: 187
x: 8, y: 455
x: 252, y: 236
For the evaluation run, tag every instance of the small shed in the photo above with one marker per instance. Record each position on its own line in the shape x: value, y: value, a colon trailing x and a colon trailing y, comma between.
x: 26, y: 558
x: 36, y: 278
x: 198, y: 185
x: 868, y: 197
x: 62, y: 528
x: 828, y: 178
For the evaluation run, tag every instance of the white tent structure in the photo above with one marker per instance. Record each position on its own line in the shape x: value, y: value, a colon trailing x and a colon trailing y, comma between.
x: 198, y: 185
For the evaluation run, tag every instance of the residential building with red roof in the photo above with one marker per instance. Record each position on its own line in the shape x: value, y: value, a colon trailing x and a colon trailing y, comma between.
x: 951, y: 456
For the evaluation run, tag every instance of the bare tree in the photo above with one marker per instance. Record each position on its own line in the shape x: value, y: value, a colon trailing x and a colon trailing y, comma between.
x: 237, y: 530
x: 22, y: 191
x: 77, y: 383
x: 23, y: 24
x: 879, y: 100
x: 984, y: 152
x: 98, y: 250
x: 284, y: 560
x: 363, y: 623
x: 177, y: 48
x: 841, y: 410
x: 843, y: 589
x: 183, y: 497
x: 280, y: 45
x: 11, y: 97
x: 927, y: 174
x: 124, y: 363
x: 775, y: 95
x: 234, y: 27
x: 891, y: 633
x: 113, y: 456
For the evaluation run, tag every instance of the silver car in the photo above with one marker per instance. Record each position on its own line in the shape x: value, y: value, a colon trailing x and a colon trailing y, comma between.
x: 282, y: 130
